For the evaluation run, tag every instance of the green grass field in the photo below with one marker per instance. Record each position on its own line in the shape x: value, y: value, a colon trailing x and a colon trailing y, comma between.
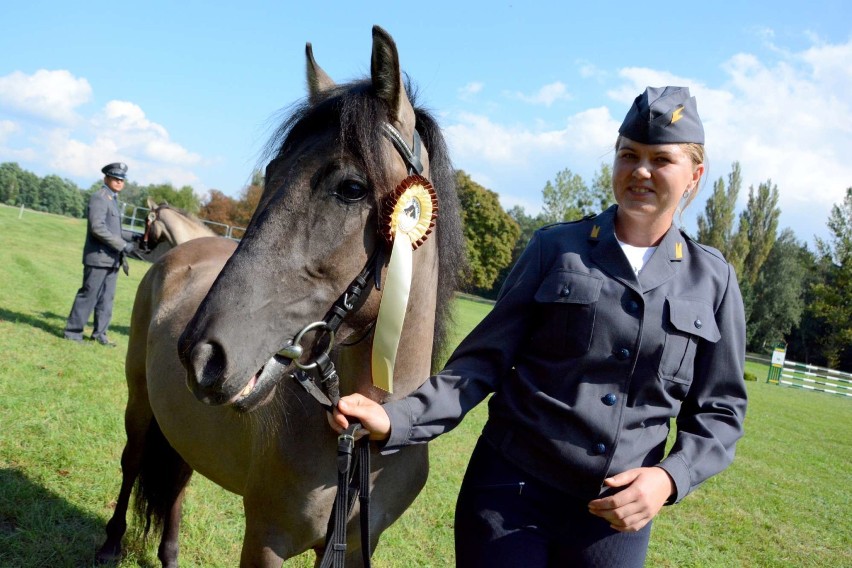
x: 784, y: 502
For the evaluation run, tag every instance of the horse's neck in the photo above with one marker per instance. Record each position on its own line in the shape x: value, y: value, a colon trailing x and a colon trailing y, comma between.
x: 181, y: 229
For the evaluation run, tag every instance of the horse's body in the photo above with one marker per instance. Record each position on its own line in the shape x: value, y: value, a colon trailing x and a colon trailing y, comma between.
x: 166, y: 227
x: 211, y: 316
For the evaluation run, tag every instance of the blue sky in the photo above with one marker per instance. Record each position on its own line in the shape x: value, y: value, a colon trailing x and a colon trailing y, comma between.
x: 188, y: 92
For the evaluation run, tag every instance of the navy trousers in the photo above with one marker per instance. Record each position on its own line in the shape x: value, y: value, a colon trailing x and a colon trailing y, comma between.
x: 96, y: 294
x: 505, y: 518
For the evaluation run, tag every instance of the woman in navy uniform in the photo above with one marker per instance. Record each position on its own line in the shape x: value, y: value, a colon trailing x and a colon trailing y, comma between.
x: 605, y: 330
x: 106, y: 244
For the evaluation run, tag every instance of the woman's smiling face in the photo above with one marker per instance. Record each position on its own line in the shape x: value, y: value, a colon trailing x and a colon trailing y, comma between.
x: 649, y: 180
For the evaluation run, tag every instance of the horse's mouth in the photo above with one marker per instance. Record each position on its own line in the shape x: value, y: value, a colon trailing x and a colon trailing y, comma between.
x: 260, y: 388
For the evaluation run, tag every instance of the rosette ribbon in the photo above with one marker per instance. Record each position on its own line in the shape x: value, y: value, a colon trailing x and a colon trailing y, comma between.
x: 408, y: 217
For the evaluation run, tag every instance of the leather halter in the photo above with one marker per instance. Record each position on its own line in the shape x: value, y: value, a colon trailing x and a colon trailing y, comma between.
x: 327, y: 392
x: 152, y: 216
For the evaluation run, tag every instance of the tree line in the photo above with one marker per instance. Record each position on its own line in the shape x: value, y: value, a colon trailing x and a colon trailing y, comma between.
x: 793, y: 296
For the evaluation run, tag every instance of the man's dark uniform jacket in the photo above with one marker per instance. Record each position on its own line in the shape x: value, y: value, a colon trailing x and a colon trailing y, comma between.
x: 105, y: 240
x: 589, y: 362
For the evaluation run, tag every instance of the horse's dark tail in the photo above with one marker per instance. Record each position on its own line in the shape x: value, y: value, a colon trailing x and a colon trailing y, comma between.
x: 162, y: 478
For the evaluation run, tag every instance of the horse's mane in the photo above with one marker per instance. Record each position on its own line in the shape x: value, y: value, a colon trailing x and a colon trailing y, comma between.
x: 360, y: 113
x: 184, y: 213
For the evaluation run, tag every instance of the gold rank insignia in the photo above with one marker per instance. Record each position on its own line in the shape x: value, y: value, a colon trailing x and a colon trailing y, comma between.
x: 595, y: 231
x: 678, y: 251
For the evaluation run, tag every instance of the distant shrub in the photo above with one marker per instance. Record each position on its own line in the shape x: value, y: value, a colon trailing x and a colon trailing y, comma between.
x: 749, y: 376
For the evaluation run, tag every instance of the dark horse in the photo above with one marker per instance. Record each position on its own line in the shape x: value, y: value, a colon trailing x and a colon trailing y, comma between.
x: 213, y: 316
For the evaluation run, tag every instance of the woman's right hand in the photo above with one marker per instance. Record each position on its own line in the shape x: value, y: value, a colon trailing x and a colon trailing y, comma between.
x: 370, y: 413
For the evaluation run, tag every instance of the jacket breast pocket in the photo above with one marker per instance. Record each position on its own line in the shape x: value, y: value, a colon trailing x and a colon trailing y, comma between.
x: 686, y: 322
x: 565, y: 305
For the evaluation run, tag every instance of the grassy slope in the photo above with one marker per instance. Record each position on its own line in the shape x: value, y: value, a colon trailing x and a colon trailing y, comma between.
x: 784, y: 502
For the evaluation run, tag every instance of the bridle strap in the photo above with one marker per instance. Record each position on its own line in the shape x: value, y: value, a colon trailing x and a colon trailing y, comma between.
x: 149, y: 220
x: 410, y: 155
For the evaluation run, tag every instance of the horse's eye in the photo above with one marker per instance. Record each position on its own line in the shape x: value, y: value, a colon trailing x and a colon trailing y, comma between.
x: 350, y: 191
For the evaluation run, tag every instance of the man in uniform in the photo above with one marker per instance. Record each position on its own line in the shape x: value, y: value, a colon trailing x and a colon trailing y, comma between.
x: 104, y: 251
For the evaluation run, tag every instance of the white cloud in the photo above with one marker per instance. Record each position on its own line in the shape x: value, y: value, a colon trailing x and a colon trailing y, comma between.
x: 785, y: 116
x: 546, y: 95
x: 471, y: 89
x: 50, y: 95
x: 51, y: 135
x: 589, y: 70
x: 7, y: 127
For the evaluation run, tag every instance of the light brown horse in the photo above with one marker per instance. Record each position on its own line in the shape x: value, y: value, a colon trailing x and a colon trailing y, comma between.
x: 166, y: 227
x: 213, y: 317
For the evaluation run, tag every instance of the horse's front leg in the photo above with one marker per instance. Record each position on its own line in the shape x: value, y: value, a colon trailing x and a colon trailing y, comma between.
x: 264, y: 547
x: 276, y: 528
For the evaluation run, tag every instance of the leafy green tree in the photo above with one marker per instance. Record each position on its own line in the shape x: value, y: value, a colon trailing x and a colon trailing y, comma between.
x: 716, y: 225
x: 490, y: 233
x: 779, y: 293
x: 183, y: 198
x: 832, y: 297
x: 61, y: 196
x: 9, y: 186
x: 528, y: 225
x: 601, y: 189
x: 760, y: 219
x: 568, y: 198
x: 134, y: 194
x: 29, y: 190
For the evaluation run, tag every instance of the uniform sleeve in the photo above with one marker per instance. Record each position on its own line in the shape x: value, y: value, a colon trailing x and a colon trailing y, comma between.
x: 476, y: 367
x: 98, y: 211
x: 711, y: 418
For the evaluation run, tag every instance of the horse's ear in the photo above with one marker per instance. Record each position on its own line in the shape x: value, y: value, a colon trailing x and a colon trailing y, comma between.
x: 151, y: 203
x: 318, y: 80
x: 387, y: 80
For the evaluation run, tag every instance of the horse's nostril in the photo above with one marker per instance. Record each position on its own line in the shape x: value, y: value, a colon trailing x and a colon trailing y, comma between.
x: 208, y: 363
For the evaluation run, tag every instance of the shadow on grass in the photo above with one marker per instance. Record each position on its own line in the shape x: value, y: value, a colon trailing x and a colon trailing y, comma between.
x: 52, y: 323
x: 40, y: 528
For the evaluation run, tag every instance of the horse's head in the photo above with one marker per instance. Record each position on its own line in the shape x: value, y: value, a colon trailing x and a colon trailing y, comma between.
x: 171, y: 226
x: 316, y: 227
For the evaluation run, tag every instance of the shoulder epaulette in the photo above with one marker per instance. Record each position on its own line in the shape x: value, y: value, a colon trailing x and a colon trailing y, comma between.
x: 559, y: 223
x: 706, y: 248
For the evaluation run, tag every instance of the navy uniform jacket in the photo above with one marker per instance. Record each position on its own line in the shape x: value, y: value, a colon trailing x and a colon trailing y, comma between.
x: 104, y: 238
x: 588, y: 363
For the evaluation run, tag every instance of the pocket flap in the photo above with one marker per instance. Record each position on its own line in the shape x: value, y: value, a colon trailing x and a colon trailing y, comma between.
x: 569, y: 287
x: 695, y: 317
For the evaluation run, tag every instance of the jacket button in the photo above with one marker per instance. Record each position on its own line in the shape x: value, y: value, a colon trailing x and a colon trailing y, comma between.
x: 565, y: 291
x: 599, y: 448
x: 698, y: 324
x: 622, y: 354
x: 609, y: 399
x: 632, y: 307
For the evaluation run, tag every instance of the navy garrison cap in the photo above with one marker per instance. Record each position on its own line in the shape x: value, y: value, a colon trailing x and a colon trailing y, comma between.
x: 117, y: 170
x: 663, y: 115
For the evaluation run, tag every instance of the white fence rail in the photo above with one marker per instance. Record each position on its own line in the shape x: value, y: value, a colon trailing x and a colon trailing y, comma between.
x: 811, y: 377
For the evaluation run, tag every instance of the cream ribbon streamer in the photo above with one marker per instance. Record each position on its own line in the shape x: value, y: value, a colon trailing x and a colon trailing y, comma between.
x: 392, y: 312
x: 408, y: 216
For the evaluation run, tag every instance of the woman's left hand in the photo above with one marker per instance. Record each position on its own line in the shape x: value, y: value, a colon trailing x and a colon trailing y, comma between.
x: 646, y: 490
